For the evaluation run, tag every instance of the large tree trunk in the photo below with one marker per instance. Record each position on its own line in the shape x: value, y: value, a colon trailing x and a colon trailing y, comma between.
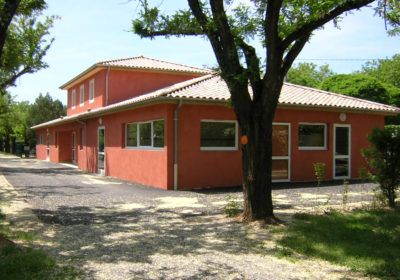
x: 257, y: 160
x: 257, y: 167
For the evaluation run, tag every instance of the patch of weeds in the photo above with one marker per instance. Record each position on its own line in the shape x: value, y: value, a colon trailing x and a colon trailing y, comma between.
x: 283, y: 252
x: 345, y: 194
x: 26, y: 263
x: 232, y: 207
x: 364, y: 240
x: 378, y: 199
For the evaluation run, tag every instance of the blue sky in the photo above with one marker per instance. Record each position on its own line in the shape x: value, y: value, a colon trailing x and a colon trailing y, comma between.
x: 90, y: 31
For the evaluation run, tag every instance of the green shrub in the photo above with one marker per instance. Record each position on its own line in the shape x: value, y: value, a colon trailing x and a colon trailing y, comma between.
x: 232, y: 207
x: 319, y: 172
x: 383, y: 158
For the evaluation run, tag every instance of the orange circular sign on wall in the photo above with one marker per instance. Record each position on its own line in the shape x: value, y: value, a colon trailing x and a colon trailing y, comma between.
x: 244, y: 139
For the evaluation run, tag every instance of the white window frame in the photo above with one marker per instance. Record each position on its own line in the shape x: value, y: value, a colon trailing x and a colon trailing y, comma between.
x: 310, y: 148
x: 348, y: 157
x: 288, y: 157
x: 221, y: 148
x: 139, y: 147
x: 81, y: 95
x: 91, y: 91
x: 73, y: 99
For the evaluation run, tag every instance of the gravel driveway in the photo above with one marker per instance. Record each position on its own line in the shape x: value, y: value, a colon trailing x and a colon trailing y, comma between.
x: 118, y: 230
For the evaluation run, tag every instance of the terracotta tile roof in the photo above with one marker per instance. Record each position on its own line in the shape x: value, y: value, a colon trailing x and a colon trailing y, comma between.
x: 213, y: 88
x: 141, y: 62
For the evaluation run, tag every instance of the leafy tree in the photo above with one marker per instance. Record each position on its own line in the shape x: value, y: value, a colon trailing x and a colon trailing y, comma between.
x: 283, y: 28
x: 361, y: 86
x: 387, y: 70
x: 309, y: 74
x: 42, y: 110
x: 384, y: 159
x: 23, y: 39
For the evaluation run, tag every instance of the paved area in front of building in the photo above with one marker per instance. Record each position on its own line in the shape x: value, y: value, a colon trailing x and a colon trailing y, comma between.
x: 118, y: 230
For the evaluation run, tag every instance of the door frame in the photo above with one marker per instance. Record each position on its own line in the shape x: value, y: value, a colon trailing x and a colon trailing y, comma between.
x: 98, y: 142
x: 288, y: 157
x: 348, y: 157
x: 48, y: 146
x: 73, y: 140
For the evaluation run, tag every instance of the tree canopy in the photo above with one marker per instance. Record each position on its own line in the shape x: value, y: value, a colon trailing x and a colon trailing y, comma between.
x: 309, y: 74
x: 232, y: 28
x: 361, y: 86
x: 23, y: 39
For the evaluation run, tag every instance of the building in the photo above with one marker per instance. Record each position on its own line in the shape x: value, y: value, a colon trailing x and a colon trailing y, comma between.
x: 169, y: 125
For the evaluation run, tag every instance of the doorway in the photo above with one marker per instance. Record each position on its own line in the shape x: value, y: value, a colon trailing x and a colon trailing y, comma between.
x: 101, y: 151
x: 48, y: 147
x: 281, y: 152
x: 73, y: 147
x: 342, y: 151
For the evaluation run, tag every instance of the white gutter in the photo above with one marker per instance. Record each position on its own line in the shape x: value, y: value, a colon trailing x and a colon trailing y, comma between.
x: 107, y: 86
x: 176, y: 143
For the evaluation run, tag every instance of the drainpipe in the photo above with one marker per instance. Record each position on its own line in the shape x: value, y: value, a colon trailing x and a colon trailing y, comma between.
x: 176, y: 142
x: 107, y: 78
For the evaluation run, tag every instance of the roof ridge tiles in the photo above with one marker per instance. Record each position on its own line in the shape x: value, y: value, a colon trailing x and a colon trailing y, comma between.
x: 101, y: 63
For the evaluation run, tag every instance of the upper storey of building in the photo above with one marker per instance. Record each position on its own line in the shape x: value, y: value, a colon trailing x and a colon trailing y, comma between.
x: 112, y: 81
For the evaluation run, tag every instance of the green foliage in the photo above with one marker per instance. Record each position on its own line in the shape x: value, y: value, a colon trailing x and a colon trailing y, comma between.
x: 345, y: 194
x: 365, y: 241
x: 232, y: 207
x: 360, y: 86
x: 17, y: 118
x: 383, y: 158
x: 26, y: 43
x: 309, y: 74
x: 319, y: 172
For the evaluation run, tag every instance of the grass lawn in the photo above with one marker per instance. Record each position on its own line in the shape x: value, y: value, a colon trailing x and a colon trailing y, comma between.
x: 364, y: 240
x: 22, y: 262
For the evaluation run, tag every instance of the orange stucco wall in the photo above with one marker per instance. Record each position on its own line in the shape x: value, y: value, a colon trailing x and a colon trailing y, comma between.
x: 99, y: 91
x: 302, y: 160
x: 197, y: 168
x: 151, y: 166
x: 122, y: 85
x: 126, y: 84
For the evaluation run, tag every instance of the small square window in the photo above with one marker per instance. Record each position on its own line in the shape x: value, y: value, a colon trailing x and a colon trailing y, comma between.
x: 218, y: 135
x: 91, y: 91
x: 73, y: 99
x: 82, y: 95
x: 312, y: 136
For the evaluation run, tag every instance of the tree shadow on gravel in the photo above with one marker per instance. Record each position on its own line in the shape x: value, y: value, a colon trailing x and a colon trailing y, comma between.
x: 137, y: 235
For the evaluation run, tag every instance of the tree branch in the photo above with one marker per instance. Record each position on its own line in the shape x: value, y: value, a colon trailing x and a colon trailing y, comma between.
x: 312, y: 25
x: 272, y: 39
x: 7, y: 13
x: 11, y: 81
x: 253, y: 66
x: 293, y: 53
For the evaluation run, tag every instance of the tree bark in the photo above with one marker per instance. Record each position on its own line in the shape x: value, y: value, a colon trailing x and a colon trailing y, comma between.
x: 7, y: 13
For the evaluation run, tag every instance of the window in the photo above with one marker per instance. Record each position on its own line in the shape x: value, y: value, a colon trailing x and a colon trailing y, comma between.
x: 281, y: 152
x: 41, y: 139
x: 91, y: 91
x: 73, y: 99
x: 312, y: 136
x: 145, y: 134
x: 218, y: 135
x: 81, y: 95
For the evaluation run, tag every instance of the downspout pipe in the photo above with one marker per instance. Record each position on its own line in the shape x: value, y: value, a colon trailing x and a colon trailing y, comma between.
x: 107, y: 83
x: 176, y: 143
